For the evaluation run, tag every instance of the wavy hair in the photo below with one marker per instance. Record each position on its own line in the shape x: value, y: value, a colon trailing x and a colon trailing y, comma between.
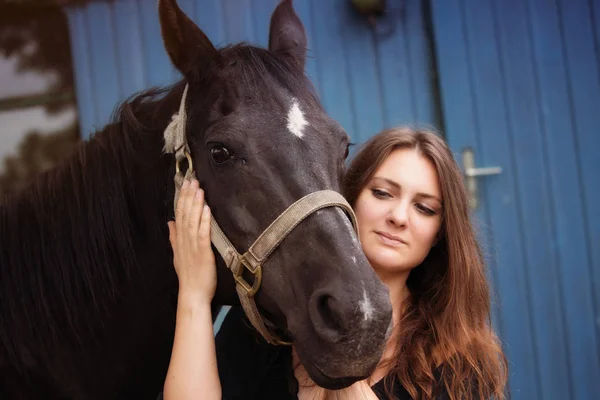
x: 445, y: 338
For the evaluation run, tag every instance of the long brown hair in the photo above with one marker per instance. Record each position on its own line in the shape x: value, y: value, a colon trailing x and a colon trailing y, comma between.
x: 445, y: 336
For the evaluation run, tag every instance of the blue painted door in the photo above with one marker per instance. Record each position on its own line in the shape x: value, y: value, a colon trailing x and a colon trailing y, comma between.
x: 520, y: 86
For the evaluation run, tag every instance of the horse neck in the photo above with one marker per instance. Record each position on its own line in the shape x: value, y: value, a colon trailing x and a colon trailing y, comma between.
x: 71, y: 241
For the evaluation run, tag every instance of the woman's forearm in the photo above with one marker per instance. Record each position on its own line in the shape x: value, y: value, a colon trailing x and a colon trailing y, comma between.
x: 193, y: 370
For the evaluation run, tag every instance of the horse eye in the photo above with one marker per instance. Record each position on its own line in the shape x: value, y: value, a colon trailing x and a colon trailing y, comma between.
x: 220, y: 154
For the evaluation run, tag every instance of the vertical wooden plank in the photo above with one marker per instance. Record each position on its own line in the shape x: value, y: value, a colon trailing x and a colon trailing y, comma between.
x: 583, y: 69
x: 535, y: 205
x: 128, y: 43
x: 495, y: 149
x: 595, y: 15
x: 420, y: 68
x: 595, y: 5
x: 238, y: 21
x: 82, y: 68
x: 105, y: 79
x: 261, y: 18
x: 454, y: 74
x: 209, y: 17
x: 563, y: 168
x: 395, y: 75
x: 156, y: 60
x: 360, y: 58
x: 332, y: 70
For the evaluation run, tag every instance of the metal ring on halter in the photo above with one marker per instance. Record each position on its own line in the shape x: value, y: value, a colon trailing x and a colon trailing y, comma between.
x: 189, y: 160
x: 256, y: 272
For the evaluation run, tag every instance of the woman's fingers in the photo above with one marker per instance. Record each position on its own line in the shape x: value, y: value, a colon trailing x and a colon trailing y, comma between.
x: 204, y: 229
x: 188, y: 202
x: 195, y: 215
x: 190, y: 213
x: 181, y: 201
x: 172, y: 233
x: 181, y: 213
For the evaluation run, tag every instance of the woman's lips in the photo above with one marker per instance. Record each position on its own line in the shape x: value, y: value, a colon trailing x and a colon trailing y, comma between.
x: 390, y: 240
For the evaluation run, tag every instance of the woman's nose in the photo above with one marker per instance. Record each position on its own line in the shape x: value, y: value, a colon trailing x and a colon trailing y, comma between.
x: 398, y: 215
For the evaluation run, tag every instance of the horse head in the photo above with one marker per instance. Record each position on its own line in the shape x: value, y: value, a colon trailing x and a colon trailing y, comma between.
x: 260, y: 140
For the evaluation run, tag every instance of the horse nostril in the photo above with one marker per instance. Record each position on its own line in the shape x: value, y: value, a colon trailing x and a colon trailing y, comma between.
x: 326, y: 305
x: 327, y: 315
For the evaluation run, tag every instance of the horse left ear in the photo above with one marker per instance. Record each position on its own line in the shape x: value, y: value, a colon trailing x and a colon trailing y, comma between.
x: 188, y: 47
x: 286, y: 34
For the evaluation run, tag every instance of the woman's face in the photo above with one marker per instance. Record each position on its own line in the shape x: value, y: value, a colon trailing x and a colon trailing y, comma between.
x: 399, y: 212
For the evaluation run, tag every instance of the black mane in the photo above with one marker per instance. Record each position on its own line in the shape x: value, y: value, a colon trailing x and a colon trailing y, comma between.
x: 68, y: 239
x: 252, y: 67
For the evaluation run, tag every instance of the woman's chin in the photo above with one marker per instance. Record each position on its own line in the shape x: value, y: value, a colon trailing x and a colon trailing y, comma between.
x: 388, y: 266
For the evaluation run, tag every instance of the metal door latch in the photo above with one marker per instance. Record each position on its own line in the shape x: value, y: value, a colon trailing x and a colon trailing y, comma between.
x: 472, y: 173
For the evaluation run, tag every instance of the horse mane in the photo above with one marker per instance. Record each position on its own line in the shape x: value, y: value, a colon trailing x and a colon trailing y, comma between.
x: 68, y: 238
x: 253, y: 67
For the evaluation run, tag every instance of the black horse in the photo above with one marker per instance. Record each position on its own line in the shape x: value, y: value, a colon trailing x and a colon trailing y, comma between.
x: 87, y: 286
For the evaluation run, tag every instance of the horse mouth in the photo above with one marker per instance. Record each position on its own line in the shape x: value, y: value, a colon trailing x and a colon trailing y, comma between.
x: 327, y: 382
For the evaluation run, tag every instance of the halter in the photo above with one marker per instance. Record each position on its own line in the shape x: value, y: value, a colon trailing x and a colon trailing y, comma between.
x: 254, y: 258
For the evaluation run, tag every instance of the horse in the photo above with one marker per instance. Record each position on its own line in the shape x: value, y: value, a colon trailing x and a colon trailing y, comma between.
x: 88, y: 291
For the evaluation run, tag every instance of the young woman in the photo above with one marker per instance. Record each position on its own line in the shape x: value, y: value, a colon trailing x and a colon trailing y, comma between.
x: 413, y: 217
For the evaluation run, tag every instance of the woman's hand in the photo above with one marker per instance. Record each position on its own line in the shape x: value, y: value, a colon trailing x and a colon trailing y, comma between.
x: 193, y: 370
x: 189, y: 235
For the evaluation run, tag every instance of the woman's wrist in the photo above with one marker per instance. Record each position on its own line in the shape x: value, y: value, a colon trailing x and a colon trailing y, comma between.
x: 193, y: 299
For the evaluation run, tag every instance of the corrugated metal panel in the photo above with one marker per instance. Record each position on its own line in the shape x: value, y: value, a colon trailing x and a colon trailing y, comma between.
x: 519, y: 82
x: 366, y: 81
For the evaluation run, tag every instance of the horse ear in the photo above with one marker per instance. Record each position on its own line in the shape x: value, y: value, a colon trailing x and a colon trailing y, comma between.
x: 188, y: 47
x: 286, y: 34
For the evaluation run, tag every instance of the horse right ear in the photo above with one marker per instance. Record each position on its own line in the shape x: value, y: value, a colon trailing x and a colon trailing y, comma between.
x: 286, y: 34
x: 188, y: 47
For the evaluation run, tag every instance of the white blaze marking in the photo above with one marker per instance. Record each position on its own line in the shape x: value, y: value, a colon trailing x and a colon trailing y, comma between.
x: 296, y: 121
x: 366, y: 307
x: 354, y: 259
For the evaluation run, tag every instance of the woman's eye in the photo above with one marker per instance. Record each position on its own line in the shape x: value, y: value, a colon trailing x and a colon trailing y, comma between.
x: 425, y: 210
x: 220, y: 154
x: 380, y: 194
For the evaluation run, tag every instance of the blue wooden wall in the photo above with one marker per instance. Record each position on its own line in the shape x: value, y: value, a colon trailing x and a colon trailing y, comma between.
x: 520, y: 84
x: 366, y: 82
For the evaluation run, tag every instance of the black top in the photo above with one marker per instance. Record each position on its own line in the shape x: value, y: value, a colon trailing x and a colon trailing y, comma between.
x: 250, y: 368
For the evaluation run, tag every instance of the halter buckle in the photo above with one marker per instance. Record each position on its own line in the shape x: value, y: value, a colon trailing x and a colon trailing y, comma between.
x: 256, y: 272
